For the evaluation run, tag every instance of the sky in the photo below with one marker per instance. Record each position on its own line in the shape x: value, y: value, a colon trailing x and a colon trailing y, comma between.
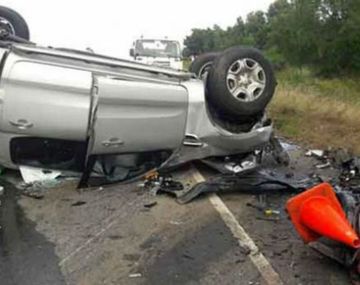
x: 111, y: 26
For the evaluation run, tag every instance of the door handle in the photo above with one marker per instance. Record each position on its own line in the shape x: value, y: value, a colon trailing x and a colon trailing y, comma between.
x: 113, y: 142
x: 21, y: 124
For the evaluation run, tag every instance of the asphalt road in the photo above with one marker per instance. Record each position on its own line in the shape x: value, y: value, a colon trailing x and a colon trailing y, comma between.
x: 111, y: 237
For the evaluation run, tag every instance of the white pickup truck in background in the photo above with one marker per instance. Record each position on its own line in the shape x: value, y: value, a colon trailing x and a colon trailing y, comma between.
x: 165, y: 53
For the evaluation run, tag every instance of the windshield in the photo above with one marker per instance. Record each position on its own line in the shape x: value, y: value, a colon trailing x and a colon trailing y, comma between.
x: 157, y: 48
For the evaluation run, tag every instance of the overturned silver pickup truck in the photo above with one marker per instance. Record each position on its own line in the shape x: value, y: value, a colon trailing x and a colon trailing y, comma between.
x: 74, y: 110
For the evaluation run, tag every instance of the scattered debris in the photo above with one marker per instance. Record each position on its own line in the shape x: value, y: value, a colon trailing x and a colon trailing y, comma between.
x: 340, y: 156
x: 156, y: 182
x: 135, y: 275
x: 78, y: 203
x: 240, y: 167
x: 115, y: 237
x: 150, y: 205
x: 33, y: 174
x: 315, y: 153
x: 187, y: 256
x: 37, y: 189
x: 256, y: 182
x: 240, y: 176
x: 288, y: 146
x: 267, y: 212
x: 350, y: 174
x: 324, y: 165
x: 233, y: 164
x: 270, y: 212
x: 38, y: 195
x: 334, y: 224
x: 37, y: 181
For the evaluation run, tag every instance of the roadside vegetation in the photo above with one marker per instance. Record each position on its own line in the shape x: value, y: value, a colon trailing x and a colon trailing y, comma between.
x: 315, y: 48
x: 321, y: 112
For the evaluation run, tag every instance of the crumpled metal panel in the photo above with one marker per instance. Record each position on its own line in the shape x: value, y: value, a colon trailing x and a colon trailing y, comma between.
x: 204, y: 138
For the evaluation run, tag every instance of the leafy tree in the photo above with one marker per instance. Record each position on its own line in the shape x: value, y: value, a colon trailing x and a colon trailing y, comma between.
x: 257, y: 29
x: 339, y: 39
x: 199, y: 41
x: 322, y: 34
x: 293, y: 32
x: 276, y: 8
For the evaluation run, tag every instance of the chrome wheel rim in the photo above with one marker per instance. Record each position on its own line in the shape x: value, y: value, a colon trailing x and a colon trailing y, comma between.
x: 5, y: 25
x: 246, y: 80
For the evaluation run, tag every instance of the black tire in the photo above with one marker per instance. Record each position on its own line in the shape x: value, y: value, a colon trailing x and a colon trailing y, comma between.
x: 219, y: 95
x: 19, y: 25
x: 203, y: 63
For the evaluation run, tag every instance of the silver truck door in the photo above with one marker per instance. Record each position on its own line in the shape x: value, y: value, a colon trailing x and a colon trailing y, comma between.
x: 44, y: 100
x: 134, y: 116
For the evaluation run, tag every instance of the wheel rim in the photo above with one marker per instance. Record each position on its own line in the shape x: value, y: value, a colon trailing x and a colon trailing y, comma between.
x: 5, y: 25
x: 246, y: 80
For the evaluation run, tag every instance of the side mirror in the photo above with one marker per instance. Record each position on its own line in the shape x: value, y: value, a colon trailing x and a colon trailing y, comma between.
x: 132, y: 52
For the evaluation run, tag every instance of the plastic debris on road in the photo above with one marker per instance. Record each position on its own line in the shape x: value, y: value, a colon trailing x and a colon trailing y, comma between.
x: 33, y: 174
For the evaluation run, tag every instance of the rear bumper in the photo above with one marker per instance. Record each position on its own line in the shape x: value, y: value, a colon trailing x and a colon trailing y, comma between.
x: 222, y: 145
x: 240, y: 143
x: 204, y: 138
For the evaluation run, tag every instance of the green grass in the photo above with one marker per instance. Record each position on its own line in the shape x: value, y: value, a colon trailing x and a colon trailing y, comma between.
x: 345, y: 88
x: 321, y: 112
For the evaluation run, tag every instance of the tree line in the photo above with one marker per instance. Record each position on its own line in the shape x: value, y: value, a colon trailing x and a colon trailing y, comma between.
x: 321, y: 34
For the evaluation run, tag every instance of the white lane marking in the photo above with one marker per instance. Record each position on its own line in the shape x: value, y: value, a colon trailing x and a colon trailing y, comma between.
x: 244, y: 240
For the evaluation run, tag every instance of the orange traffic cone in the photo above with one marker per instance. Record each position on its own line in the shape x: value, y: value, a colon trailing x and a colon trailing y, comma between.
x: 317, y: 212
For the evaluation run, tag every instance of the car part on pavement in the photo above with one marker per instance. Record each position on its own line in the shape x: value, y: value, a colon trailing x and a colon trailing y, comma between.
x: 156, y: 183
x: 33, y: 174
x: 13, y: 23
x: 234, y: 164
x: 255, y: 182
x: 241, y: 83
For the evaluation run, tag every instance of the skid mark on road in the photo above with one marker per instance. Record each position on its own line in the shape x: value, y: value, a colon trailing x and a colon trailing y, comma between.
x: 258, y: 259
